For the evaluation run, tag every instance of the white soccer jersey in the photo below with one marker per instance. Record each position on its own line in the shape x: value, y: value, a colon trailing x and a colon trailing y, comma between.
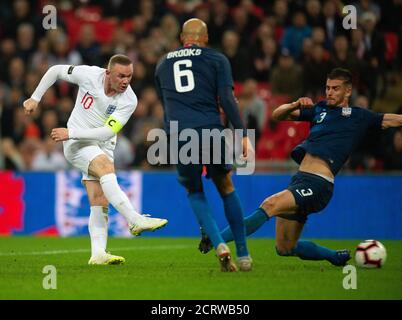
x: 95, y: 119
x: 92, y: 107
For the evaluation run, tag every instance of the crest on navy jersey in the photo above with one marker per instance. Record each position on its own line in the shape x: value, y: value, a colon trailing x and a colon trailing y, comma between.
x: 346, y: 111
x: 110, y: 109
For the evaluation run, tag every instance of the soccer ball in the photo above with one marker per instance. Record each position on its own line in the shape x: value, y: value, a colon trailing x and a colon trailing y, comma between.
x: 370, y: 254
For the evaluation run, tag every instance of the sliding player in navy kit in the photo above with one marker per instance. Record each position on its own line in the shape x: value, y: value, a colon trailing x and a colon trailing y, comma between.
x: 192, y: 82
x: 336, y: 129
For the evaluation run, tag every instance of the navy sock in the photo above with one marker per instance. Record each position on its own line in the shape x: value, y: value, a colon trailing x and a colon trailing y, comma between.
x: 308, y: 250
x: 234, y: 215
x: 204, y: 216
x: 252, y: 222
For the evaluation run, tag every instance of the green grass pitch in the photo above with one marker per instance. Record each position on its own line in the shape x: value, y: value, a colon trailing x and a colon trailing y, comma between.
x: 172, y: 268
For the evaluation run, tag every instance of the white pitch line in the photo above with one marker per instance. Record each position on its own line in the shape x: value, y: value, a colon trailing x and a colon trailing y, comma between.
x: 39, y: 253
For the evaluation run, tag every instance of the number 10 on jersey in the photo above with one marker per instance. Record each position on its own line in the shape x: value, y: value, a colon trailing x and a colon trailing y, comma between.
x: 87, y: 101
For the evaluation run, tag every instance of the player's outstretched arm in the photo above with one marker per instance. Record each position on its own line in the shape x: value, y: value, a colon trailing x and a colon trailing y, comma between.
x: 49, y: 78
x: 290, y: 111
x: 391, y: 120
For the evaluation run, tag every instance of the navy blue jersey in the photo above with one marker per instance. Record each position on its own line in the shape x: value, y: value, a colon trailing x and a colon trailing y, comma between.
x: 187, y: 81
x: 334, y: 132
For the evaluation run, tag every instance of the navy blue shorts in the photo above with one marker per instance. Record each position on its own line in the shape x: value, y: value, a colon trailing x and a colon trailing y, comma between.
x: 189, y: 175
x: 312, y: 194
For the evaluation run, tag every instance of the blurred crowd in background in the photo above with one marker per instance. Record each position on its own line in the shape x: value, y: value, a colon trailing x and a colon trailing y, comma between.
x: 279, y: 50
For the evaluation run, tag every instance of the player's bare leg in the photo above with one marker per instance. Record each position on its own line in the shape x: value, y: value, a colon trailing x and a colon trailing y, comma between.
x: 102, y: 168
x: 288, y: 244
x: 287, y: 234
x: 98, y: 228
x: 283, y: 206
x: 234, y: 215
x: 279, y: 203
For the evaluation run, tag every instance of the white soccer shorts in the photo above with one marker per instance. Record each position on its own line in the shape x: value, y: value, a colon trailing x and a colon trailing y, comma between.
x: 80, y: 154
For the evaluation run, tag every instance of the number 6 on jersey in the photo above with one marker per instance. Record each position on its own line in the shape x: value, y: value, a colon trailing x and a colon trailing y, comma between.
x: 179, y: 76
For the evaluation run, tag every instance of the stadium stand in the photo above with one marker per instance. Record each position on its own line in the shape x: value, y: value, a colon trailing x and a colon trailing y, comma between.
x: 255, y: 35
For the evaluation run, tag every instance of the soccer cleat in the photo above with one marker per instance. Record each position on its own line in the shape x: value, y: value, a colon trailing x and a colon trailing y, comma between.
x: 105, y: 259
x: 245, y: 263
x: 147, y: 224
x: 205, y: 244
x: 225, y: 258
x: 342, y: 256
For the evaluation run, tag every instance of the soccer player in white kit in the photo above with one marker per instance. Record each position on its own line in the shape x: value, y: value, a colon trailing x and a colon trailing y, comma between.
x: 104, y: 104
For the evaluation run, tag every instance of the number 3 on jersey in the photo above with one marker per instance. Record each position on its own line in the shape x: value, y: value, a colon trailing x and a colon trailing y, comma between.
x: 304, y: 192
x: 322, y: 116
x: 183, y: 78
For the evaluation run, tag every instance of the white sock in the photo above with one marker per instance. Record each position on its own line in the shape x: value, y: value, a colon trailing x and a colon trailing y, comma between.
x: 118, y: 198
x: 97, y: 227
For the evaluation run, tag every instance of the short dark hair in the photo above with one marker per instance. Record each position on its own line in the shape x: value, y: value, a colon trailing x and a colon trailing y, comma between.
x: 119, y: 59
x: 341, y: 74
